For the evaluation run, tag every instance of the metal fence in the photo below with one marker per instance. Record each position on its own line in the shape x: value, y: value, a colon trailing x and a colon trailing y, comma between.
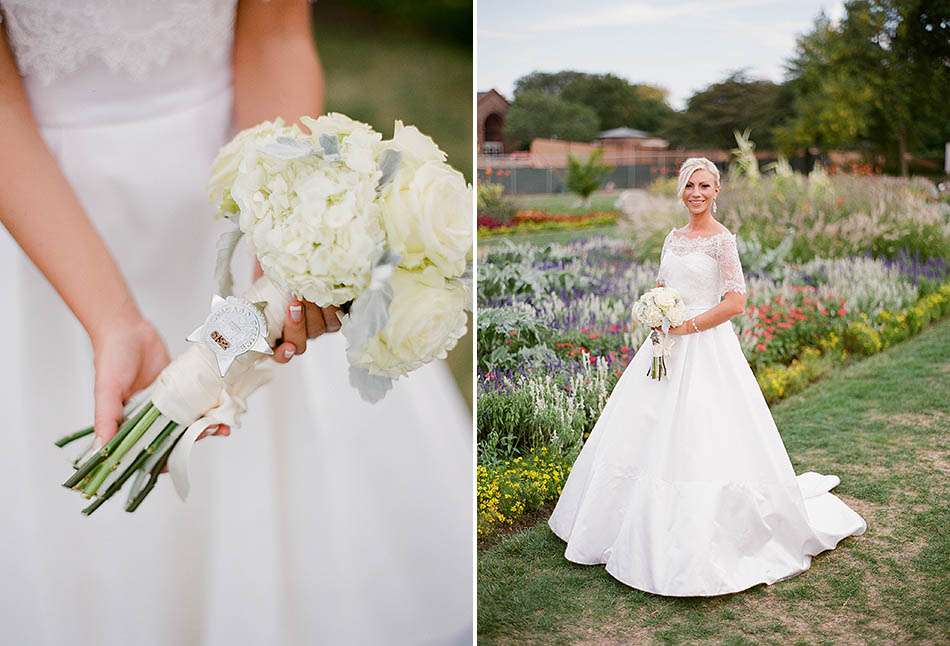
x: 524, y: 174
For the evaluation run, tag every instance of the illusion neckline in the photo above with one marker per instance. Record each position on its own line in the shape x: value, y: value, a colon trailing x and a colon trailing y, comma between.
x: 676, y: 232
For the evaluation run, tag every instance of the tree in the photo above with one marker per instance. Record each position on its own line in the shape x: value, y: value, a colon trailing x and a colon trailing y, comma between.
x: 737, y: 103
x: 585, y: 177
x: 875, y: 81
x: 616, y: 101
x: 535, y: 114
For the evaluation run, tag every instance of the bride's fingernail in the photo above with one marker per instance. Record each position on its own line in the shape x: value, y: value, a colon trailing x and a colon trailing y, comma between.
x: 288, y: 353
x: 296, y: 313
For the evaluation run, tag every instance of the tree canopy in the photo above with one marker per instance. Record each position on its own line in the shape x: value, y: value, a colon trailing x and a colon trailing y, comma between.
x: 736, y: 103
x: 877, y: 80
x: 614, y: 102
x: 535, y: 114
x: 874, y: 81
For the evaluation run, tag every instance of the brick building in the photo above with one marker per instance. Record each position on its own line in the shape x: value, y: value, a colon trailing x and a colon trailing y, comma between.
x: 492, y: 108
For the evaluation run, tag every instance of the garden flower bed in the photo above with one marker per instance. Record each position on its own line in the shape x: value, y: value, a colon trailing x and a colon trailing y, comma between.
x: 555, y: 334
x: 531, y: 221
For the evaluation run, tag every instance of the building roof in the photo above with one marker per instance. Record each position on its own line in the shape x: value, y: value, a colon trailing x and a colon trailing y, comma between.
x: 624, y: 133
x: 482, y: 95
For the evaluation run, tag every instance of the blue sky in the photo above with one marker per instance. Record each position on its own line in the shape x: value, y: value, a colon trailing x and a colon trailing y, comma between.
x: 681, y: 46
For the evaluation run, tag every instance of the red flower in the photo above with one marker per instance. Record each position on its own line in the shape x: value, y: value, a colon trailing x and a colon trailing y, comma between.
x: 760, y: 347
x: 841, y: 312
x: 769, y: 330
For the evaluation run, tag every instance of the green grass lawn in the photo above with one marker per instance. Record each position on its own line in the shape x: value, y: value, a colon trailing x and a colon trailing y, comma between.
x: 378, y: 75
x: 883, y: 426
x: 566, y: 202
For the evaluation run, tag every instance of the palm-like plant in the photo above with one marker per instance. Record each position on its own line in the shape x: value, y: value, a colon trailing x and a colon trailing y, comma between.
x: 585, y: 177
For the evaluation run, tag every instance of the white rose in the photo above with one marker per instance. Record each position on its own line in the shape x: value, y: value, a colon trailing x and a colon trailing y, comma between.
x: 677, y: 314
x: 430, y: 218
x: 426, y: 320
x: 415, y: 147
x: 664, y: 298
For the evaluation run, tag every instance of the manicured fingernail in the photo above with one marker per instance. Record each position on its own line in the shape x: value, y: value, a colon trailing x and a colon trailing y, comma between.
x: 296, y: 313
x: 288, y: 353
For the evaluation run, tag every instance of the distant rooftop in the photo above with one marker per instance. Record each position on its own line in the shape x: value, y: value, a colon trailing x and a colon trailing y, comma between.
x: 624, y: 133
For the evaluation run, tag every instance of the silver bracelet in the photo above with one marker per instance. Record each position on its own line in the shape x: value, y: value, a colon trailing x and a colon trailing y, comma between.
x: 693, y: 321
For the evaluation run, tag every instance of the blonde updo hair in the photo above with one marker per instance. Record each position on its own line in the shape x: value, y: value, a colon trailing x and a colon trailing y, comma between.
x: 690, y: 166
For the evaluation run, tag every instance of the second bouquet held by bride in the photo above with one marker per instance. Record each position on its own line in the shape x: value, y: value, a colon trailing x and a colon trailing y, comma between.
x: 660, y: 309
x: 337, y: 216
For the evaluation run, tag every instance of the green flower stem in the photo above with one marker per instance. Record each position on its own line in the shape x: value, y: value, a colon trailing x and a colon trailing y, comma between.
x: 63, y: 441
x: 95, y: 460
x: 153, y: 477
x: 140, y: 459
x: 133, y: 436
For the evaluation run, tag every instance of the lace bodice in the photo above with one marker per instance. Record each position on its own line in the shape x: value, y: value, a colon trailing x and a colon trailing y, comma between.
x: 701, y: 269
x: 52, y: 38
x: 95, y: 62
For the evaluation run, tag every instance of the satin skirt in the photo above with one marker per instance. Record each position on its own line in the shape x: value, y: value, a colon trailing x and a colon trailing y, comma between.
x: 684, y: 487
x: 322, y: 519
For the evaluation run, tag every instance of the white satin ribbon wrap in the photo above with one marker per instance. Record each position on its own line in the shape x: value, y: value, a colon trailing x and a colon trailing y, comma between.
x: 191, y: 393
x: 228, y: 411
x: 664, y: 347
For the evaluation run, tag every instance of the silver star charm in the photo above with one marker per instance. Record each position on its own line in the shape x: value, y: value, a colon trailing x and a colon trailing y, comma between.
x: 233, y: 327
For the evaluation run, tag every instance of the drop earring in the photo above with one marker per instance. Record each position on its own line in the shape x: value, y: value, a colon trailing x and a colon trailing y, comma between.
x: 714, y: 208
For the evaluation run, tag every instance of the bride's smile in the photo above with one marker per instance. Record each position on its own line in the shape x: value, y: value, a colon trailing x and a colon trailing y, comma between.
x: 700, y: 192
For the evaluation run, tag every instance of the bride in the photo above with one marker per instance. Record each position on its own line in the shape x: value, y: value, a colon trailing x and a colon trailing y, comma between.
x: 323, y: 519
x: 684, y: 487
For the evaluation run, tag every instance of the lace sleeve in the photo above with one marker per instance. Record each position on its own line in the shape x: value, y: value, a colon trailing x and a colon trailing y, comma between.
x: 660, y: 276
x: 730, y: 268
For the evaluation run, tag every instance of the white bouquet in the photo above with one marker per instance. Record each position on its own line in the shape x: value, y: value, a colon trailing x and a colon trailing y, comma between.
x: 337, y: 216
x: 660, y: 309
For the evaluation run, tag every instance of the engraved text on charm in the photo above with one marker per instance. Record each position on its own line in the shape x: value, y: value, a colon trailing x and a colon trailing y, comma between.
x: 233, y: 327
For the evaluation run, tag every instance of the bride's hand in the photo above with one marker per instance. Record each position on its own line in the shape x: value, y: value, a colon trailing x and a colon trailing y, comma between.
x: 128, y: 356
x: 679, y: 330
x: 303, y: 321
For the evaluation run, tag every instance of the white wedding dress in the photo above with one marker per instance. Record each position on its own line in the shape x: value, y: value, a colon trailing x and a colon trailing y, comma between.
x: 684, y: 487
x: 323, y: 519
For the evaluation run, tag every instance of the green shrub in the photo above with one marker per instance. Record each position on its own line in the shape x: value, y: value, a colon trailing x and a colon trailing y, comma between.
x: 861, y: 338
x: 493, y: 202
x: 508, y: 490
x: 585, y: 177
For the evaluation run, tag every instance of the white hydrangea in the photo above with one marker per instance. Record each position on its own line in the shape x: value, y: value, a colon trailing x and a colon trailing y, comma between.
x: 664, y: 297
x: 426, y: 320
x: 226, y: 166
x: 357, y: 141
x: 427, y: 207
x: 313, y: 223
